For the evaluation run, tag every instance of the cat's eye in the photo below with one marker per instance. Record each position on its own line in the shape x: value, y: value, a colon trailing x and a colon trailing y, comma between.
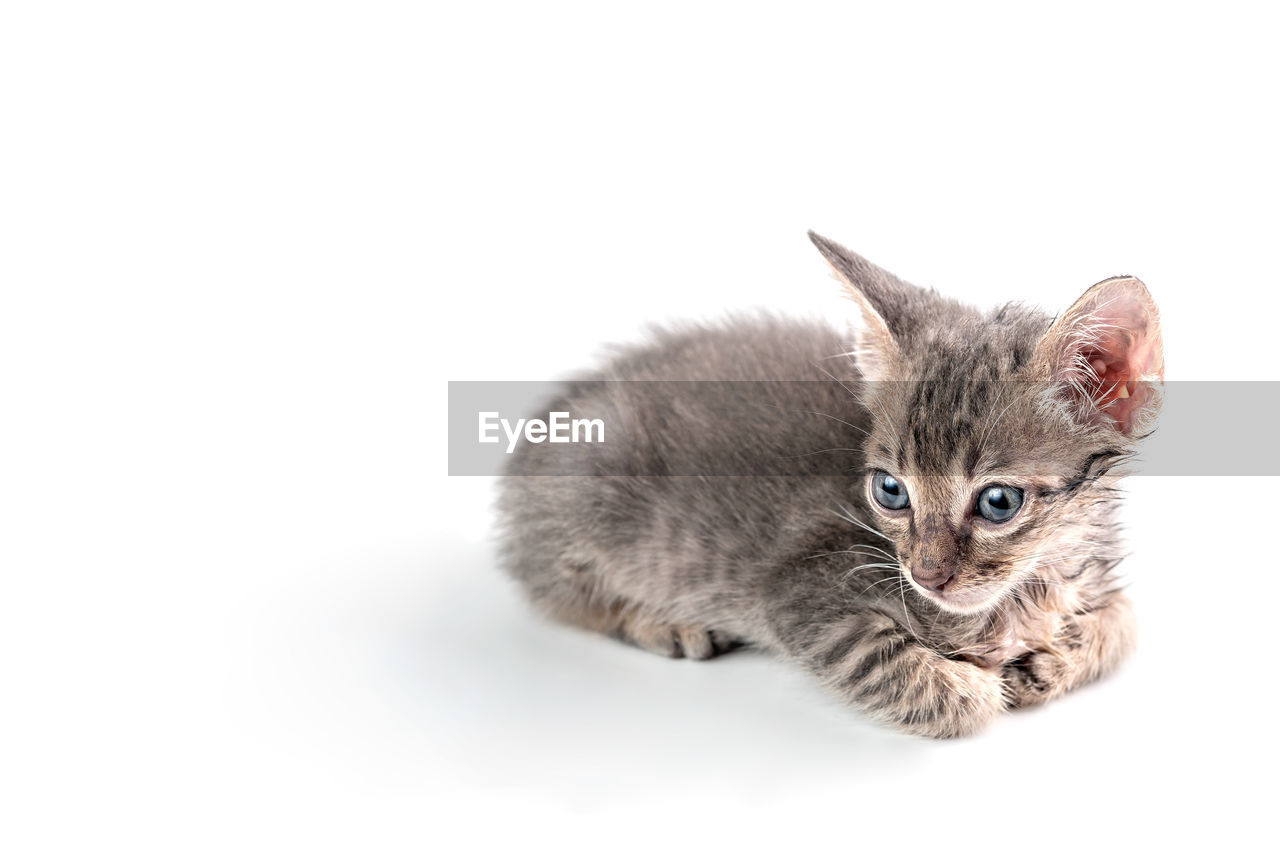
x: 999, y: 503
x: 888, y: 491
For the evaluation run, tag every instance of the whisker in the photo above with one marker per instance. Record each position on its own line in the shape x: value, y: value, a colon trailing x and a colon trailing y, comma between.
x: 833, y: 377
x: 871, y: 547
x: 878, y: 582
x: 848, y: 515
x: 819, y: 452
x: 857, y: 428
x: 906, y: 613
x: 873, y: 565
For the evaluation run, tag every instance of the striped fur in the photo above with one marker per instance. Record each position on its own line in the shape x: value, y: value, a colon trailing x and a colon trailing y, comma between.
x: 675, y: 548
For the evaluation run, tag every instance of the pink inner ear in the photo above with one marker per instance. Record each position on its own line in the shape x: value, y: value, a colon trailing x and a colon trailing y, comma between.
x: 1125, y: 356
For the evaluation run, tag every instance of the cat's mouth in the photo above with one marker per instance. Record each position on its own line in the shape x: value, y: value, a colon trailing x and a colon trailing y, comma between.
x: 964, y: 600
x: 951, y: 593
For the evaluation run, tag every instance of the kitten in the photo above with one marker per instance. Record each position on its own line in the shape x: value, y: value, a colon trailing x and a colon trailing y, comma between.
x: 959, y: 560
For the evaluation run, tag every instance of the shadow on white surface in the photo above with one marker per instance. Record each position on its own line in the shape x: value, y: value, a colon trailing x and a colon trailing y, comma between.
x: 432, y: 677
x: 450, y: 680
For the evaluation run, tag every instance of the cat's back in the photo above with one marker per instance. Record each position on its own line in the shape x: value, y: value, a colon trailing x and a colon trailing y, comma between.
x: 759, y: 347
x: 721, y: 443
x: 752, y: 395
x: 725, y: 446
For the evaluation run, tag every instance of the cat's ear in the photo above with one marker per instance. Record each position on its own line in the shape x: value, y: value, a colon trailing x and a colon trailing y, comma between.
x: 1104, y: 356
x: 879, y: 295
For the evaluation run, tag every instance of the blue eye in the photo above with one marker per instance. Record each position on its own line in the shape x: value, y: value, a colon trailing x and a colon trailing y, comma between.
x: 999, y: 503
x: 888, y: 491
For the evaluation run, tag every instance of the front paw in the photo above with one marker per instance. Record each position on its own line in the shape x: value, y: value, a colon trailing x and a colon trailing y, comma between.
x: 1034, y: 678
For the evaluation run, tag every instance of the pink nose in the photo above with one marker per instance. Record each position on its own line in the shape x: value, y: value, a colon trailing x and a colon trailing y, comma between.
x: 936, y: 583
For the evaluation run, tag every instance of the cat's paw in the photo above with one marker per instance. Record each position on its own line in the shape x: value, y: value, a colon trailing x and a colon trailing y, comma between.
x: 966, y: 701
x: 677, y: 640
x: 1035, y: 677
x: 925, y: 694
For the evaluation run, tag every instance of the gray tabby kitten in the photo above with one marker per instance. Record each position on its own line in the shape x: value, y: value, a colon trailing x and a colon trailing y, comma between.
x: 959, y: 560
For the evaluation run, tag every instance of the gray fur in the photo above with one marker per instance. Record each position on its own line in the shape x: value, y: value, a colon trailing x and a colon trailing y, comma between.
x: 806, y: 564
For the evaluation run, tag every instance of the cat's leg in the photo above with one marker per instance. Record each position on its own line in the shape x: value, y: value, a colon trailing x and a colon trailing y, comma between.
x: 671, y: 640
x: 878, y: 666
x: 1084, y: 648
x: 582, y: 607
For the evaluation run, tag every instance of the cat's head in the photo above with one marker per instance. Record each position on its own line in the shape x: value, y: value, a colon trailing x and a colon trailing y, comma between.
x: 993, y: 435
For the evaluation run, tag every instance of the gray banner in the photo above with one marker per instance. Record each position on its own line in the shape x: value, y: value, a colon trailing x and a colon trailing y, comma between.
x: 1206, y: 428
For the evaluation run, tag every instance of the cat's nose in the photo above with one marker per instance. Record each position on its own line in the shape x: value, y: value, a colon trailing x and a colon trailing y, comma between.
x: 936, y: 583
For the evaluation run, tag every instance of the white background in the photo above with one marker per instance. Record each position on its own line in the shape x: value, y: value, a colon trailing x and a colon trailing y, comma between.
x: 243, y: 246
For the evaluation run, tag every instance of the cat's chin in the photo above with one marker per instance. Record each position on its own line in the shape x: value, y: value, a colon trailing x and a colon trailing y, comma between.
x: 965, y: 602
